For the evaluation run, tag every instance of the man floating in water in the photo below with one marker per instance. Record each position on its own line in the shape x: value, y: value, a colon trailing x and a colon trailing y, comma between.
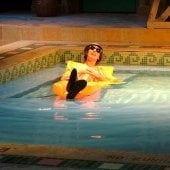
x: 83, y: 79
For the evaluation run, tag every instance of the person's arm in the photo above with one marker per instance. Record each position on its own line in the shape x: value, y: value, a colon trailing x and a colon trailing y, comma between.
x: 100, y: 76
x: 95, y: 73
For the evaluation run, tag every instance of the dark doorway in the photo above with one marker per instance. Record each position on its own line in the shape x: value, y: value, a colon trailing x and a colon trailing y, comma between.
x: 15, y: 5
x: 126, y: 6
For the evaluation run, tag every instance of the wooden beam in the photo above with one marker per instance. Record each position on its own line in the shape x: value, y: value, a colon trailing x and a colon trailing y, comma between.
x: 165, y: 15
x: 158, y: 24
x: 154, y: 9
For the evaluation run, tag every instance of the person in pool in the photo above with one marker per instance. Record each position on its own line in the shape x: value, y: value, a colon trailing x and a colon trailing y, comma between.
x: 79, y: 77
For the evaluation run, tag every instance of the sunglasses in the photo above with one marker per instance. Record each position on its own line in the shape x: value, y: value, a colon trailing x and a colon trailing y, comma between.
x: 93, y: 47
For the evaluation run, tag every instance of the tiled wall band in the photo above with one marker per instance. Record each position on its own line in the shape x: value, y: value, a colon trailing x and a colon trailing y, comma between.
x: 110, y: 57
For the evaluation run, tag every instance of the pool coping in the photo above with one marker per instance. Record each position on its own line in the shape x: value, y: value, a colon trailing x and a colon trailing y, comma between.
x: 103, y: 155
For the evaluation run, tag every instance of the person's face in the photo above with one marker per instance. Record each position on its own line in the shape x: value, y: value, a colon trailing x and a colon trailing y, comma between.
x: 93, y: 54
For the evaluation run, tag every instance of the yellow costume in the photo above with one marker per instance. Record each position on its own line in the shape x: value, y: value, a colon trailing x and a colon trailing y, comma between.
x: 59, y: 88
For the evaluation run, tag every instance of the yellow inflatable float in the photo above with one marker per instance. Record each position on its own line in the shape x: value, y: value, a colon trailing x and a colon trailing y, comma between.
x: 59, y: 88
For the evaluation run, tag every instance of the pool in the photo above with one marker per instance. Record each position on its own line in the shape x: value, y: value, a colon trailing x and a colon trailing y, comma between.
x: 130, y: 117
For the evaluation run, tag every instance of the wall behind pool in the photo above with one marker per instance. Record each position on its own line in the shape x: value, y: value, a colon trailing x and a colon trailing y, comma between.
x: 31, y: 61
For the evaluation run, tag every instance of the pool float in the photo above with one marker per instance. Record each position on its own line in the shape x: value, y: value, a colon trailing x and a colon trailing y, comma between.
x: 59, y: 88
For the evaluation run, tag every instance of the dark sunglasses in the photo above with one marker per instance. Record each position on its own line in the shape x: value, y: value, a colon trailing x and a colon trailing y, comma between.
x: 93, y: 47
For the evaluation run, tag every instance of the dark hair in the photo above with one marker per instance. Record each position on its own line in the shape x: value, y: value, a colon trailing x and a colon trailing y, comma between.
x: 86, y: 49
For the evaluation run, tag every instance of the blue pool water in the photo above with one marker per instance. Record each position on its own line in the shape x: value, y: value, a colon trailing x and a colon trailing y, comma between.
x: 130, y: 117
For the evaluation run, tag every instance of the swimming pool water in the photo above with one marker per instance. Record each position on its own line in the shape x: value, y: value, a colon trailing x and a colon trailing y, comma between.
x: 130, y: 117
x: 143, y: 88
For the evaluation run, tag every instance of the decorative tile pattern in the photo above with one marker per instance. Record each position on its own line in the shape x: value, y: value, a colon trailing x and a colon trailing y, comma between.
x: 61, y: 55
x: 141, y: 167
x: 115, y: 161
x: 123, y: 58
x: 78, y: 164
x: 28, y: 160
x: 29, y: 67
x: 71, y: 55
x: 137, y: 58
x: 81, y: 164
x: 50, y: 162
x: 113, y: 166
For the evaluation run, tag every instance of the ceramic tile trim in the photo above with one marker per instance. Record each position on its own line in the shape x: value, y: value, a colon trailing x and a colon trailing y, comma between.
x: 81, y: 158
x: 58, y: 55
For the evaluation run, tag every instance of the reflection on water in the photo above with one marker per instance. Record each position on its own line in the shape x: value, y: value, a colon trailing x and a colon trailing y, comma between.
x: 143, y: 127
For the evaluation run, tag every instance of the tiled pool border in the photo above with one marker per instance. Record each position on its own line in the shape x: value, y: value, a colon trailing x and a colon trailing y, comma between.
x: 78, y: 158
x: 59, y: 55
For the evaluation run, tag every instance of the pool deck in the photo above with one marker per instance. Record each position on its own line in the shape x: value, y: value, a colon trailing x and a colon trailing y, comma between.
x: 104, y: 28
x: 21, y: 156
